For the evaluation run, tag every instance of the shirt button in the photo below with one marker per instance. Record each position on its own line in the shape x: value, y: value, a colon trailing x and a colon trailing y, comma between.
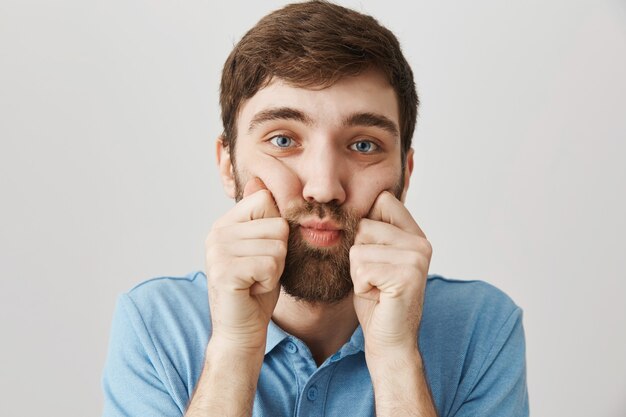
x: 291, y: 347
x: 311, y: 394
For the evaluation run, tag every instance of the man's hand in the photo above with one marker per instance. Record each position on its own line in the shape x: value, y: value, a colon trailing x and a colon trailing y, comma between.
x: 389, y: 266
x: 245, y: 257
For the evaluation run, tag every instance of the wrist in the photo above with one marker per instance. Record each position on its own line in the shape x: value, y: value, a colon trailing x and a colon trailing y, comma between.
x: 253, y: 339
x: 395, y: 359
x: 400, y: 384
x: 228, y: 381
x: 382, y: 350
x: 221, y: 346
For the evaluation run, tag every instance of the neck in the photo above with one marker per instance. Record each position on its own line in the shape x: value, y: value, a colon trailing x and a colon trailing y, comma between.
x: 323, y: 327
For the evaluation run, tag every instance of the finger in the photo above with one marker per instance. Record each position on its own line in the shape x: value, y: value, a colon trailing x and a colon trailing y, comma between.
x: 270, y: 228
x: 390, y: 210
x: 252, y: 186
x: 243, y: 272
x: 366, y: 291
x: 383, y: 254
x: 378, y: 232
x: 391, y: 280
x: 362, y: 285
x: 258, y: 205
x: 252, y: 247
x: 264, y: 286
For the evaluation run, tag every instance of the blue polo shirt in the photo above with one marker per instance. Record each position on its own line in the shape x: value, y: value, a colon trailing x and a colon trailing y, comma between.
x: 471, y: 340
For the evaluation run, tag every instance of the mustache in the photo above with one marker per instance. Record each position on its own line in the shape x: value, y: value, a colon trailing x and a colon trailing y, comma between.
x: 348, y: 220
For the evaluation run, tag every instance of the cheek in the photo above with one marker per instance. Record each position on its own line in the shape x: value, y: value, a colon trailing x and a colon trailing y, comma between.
x: 279, y: 177
x: 365, y: 187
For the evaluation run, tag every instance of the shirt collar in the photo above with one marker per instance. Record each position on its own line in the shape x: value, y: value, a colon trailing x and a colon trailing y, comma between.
x: 356, y: 344
x: 275, y: 335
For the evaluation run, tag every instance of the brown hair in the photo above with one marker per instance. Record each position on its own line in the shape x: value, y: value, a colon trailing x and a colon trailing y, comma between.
x: 314, y: 44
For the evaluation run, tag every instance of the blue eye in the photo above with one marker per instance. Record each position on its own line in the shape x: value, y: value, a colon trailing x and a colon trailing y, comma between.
x: 364, y: 146
x: 281, y: 141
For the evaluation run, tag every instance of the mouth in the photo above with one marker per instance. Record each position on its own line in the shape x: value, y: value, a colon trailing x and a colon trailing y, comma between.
x: 320, y: 233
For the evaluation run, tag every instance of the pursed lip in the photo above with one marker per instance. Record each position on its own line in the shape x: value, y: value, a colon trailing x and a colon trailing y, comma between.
x: 318, y: 224
x: 320, y: 233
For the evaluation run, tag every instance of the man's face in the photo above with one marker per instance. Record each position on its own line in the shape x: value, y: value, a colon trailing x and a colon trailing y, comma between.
x: 325, y: 155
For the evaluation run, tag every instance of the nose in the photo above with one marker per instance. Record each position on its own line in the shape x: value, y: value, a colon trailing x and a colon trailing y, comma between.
x: 324, y: 176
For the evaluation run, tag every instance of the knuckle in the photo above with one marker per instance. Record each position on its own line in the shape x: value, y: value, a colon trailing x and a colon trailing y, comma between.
x: 269, y: 265
x: 363, y: 230
x: 427, y: 248
x: 360, y: 289
x: 360, y: 273
x: 386, y: 197
x: 422, y: 245
x: 280, y: 248
x: 354, y: 253
x: 413, y: 258
x: 215, y: 235
x: 415, y: 240
x: 423, y: 264
x: 282, y: 228
x: 264, y: 195
x: 363, y: 225
x: 213, y: 252
x: 215, y: 271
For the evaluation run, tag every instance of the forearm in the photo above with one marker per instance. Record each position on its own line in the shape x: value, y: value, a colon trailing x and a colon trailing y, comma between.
x: 400, y: 386
x: 227, y: 384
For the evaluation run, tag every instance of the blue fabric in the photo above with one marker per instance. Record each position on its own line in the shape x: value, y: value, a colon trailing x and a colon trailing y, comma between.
x: 471, y: 340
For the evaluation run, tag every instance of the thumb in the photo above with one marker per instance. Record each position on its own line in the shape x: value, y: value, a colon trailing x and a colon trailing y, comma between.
x: 252, y: 186
x: 388, y: 209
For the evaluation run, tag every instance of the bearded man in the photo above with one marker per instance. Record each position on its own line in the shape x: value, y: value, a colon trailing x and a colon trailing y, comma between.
x: 319, y: 299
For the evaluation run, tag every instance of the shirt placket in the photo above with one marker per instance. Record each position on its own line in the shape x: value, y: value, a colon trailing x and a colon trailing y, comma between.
x: 312, y: 381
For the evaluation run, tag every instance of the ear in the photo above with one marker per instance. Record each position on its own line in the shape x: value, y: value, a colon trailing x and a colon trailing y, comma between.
x: 225, y: 166
x: 408, y: 170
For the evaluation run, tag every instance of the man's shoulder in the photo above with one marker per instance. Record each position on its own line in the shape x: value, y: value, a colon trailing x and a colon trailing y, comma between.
x: 168, y: 286
x: 160, y: 328
x: 466, y: 312
x: 471, y: 338
x: 174, y: 296
x: 464, y: 296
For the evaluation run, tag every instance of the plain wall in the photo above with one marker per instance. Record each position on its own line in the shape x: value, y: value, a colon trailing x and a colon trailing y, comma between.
x: 108, y: 115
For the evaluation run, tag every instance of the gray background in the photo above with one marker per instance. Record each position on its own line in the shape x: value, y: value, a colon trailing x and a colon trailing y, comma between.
x: 108, y: 114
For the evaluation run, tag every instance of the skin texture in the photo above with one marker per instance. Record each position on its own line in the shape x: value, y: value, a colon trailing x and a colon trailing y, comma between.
x: 308, y: 152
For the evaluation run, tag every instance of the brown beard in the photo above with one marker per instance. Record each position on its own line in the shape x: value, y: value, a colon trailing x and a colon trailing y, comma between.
x: 318, y: 274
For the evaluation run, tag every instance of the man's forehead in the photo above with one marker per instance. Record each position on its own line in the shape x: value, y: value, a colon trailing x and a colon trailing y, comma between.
x: 368, y: 79
x: 369, y: 92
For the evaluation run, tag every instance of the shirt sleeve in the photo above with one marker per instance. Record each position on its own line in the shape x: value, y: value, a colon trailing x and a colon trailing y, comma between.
x: 500, y: 387
x: 133, y: 381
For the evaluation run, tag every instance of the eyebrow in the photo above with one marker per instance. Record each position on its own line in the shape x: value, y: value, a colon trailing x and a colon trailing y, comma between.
x: 355, y: 119
x: 373, y: 120
x: 279, y: 113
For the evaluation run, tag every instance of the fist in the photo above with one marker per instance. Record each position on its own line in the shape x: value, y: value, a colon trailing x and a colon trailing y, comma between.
x: 245, y: 257
x: 389, y: 266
